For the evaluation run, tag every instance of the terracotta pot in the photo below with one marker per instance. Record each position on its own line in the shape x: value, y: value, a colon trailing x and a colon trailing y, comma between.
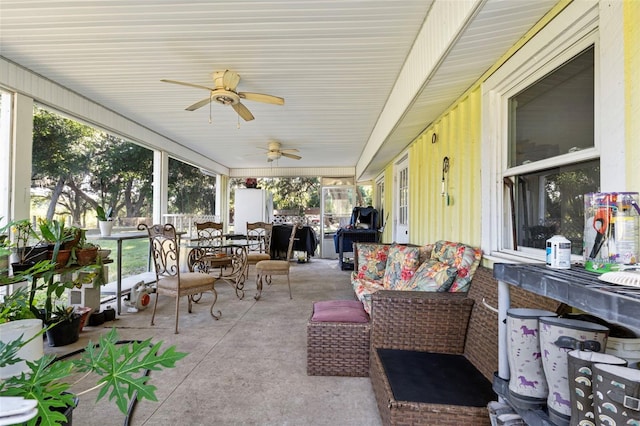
x: 62, y: 259
x: 86, y: 256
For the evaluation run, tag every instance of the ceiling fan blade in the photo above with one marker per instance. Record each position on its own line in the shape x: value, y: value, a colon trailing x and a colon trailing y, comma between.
x: 199, y: 104
x: 243, y: 111
x: 259, y: 97
x: 182, y: 83
x: 289, y: 150
x: 286, y: 154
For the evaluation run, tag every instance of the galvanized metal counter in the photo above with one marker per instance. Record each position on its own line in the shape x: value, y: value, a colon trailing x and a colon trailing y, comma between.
x: 578, y: 288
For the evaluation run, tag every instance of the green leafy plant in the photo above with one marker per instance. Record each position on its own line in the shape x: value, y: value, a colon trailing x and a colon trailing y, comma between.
x: 103, y: 215
x: 54, y: 232
x: 15, y: 306
x: 121, y: 368
x: 23, y: 234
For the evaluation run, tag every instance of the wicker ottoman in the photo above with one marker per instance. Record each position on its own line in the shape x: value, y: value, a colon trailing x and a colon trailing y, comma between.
x: 338, y: 339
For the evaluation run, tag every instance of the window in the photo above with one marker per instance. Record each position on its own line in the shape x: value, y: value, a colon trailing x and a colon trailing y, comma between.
x: 552, y: 117
x: 550, y: 202
x: 555, y: 115
x: 540, y: 125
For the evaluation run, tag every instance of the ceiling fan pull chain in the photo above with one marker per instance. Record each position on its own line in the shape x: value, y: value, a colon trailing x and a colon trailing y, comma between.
x: 238, y: 121
x: 211, y: 100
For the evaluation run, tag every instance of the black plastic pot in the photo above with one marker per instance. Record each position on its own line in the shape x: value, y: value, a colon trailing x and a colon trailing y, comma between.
x: 109, y: 314
x: 96, y: 318
x: 64, y: 333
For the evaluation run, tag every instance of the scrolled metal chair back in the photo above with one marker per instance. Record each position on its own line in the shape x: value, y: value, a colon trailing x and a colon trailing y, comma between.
x: 209, y: 233
x: 259, y: 236
x: 164, y: 249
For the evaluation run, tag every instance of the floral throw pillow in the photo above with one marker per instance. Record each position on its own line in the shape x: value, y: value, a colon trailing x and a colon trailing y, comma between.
x: 372, y: 261
x: 467, y: 269
x: 402, y: 263
x: 432, y: 276
x: 460, y: 256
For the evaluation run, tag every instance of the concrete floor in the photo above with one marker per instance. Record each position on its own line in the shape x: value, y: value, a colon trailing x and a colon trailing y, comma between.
x: 248, y: 368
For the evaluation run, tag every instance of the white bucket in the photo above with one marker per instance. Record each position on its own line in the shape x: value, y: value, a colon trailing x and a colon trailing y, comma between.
x: 32, y: 351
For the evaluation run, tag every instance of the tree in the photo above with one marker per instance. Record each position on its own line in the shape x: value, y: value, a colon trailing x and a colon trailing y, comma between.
x: 84, y: 167
x: 190, y: 191
x: 295, y: 193
x: 60, y: 153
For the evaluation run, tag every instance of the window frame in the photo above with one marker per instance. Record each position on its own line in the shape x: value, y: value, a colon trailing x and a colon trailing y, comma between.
x: 570, y: 33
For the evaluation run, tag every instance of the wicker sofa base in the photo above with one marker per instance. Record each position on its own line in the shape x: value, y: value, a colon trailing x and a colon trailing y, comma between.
x: 338, y: 349
x: 393, y: 412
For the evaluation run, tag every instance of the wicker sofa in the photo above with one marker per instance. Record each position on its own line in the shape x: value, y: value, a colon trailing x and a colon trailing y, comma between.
x: 441, y: 267
x: 445, y: 328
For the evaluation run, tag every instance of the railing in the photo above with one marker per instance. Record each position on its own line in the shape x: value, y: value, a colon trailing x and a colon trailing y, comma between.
x: 186, y: 222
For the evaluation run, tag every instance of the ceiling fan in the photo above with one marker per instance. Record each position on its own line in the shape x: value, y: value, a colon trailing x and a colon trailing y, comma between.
x: 224, y: 92
x: 275, y: 152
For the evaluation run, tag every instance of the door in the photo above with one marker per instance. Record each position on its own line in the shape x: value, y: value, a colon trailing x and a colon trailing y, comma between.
x: 401, y: 221
x: 337, y: 205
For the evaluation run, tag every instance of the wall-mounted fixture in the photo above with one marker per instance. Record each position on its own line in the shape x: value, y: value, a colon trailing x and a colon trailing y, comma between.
x: 434, y: 138
x: 445, y: 182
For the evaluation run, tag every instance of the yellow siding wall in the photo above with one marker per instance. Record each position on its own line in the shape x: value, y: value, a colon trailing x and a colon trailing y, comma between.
x: 458, y: 137
x: 632, y: 88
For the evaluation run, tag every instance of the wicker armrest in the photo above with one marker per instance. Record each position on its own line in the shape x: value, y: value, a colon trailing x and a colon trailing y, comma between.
x: 420, y: 321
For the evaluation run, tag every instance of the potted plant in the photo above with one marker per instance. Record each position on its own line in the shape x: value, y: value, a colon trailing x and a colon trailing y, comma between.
x: 105, y: 220
x: 121, y: 368
x: 85, y: 252
x: 55, y: 233
x: 65, y: 326
x: 27, y: 255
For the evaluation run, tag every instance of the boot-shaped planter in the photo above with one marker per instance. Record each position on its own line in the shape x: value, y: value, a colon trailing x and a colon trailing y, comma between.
x: 581, y: 383
x: 558, y: 336
x: 527, y: 384
x: 616, y: 395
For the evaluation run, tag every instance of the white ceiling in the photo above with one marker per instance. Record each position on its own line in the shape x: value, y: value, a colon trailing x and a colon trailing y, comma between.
x: 334, y: 62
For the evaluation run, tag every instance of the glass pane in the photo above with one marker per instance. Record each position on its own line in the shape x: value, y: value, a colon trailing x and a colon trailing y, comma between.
x: 337, y: 181
x: 190, y: 191
x: 555, y: 115
x: 338, y: 205
x: 550, y: 202
x: 403, y: 207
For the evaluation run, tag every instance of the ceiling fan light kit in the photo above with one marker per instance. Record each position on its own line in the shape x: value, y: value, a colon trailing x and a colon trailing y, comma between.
x: 275, y: 152
x: 224, y: 93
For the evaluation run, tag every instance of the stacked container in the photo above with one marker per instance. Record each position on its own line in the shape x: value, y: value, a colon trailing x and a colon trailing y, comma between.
x: 611, y: 230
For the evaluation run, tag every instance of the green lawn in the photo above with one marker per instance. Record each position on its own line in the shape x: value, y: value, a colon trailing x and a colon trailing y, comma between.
x: 135, y: 256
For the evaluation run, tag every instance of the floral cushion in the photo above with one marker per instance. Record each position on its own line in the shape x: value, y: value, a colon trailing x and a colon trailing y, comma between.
x: 364, y: 289
x: 460, y: 256
x: 432, y: 276
x: 372, y: 260
x: 402, y: 263
x: 425, y: 252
